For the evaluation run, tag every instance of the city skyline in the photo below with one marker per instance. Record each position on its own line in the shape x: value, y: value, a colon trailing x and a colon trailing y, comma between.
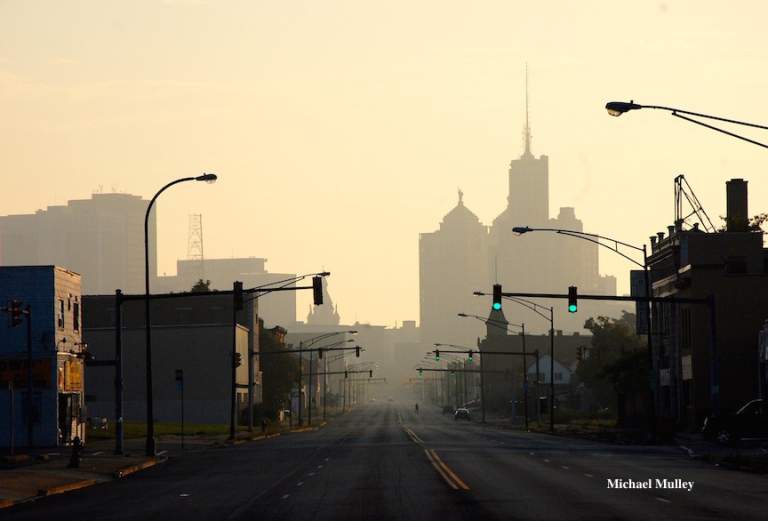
x: 371, y: 139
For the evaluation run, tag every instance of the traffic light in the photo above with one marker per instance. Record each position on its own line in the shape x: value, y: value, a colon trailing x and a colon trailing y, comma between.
x: 16, y: 313
x: 469, y: 356
x: 497, y: 297
x: 579, y: 354
x: 317, y: 290
x: 421, y: 371
x: 370, y: 373
x: 238, y: 359
x: 357, y: 351
x: 437, y: 355
x: 346, y: 374
x: 320, y: 353
x: 573, y: 297
x: 237, y: 293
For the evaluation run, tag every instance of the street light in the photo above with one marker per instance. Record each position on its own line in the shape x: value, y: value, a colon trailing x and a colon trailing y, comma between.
x: 505, y: 327
x: 613, y: 245
x: 151, y: 444
x: 617, y: 108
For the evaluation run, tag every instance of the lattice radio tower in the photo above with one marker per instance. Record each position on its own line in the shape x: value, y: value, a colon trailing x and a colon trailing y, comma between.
x: 195, y: 241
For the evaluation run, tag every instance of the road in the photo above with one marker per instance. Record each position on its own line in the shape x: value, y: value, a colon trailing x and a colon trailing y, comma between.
x: 383, y: 462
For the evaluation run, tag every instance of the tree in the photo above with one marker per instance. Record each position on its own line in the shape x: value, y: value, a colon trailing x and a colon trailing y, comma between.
x: 755, y: 223
x: 607, y: 371
x: 279, y: 372
x: 201, y: 286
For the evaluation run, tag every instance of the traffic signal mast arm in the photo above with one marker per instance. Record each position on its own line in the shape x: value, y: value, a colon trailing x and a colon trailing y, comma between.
x: 671, y: 300
x: 258, y: 289
x: 310, y: 350
x: 466, y: 352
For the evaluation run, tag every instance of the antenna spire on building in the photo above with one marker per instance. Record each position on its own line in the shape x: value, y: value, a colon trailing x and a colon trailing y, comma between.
x: 527, y: 130
x: 461, y: 197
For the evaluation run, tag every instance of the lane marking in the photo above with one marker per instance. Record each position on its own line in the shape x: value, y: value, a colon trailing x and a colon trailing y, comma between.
x: 450, y: 472
x: 564, y: 467
x: 300, y: 483
x: 319, y: 466
x: 546, y: 460
x: 589, y: 475
x: 440, y: 470
x: 286, y: 496
x: 414, y: 437
x: 662, y: 499
x: 311, y: 474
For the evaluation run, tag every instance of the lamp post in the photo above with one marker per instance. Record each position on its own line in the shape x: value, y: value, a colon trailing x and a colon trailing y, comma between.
x: 151, y: 449
x: 504, y: 325
x: 617, y: 108
x: 613, y: 245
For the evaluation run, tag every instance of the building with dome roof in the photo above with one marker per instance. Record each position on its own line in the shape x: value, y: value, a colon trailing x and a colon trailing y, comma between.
x: 464, y: 255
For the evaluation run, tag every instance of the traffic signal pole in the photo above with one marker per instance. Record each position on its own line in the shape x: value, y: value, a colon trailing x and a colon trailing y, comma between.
x: 30, y: 387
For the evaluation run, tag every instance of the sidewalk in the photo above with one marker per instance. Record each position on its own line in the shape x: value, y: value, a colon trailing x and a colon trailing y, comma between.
x: 45, y: 471
x: 44, y: 478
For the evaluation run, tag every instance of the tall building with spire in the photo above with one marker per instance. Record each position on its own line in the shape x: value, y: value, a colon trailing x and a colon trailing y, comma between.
x: 450, y: 259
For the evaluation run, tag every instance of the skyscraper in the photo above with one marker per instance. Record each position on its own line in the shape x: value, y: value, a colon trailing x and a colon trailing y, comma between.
x: 102, y: 238
x: 465, y: 255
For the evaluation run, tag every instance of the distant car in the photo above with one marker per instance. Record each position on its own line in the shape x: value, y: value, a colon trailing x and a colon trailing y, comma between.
x: 447, y: 409
x: 751, y: 421
x: 462, y: 414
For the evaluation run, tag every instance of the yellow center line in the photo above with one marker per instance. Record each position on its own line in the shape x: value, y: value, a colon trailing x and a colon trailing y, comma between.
x: 448, y: 470
x: 440, y: 470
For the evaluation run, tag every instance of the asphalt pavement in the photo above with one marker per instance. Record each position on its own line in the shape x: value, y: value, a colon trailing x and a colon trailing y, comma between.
x: 383, y: 461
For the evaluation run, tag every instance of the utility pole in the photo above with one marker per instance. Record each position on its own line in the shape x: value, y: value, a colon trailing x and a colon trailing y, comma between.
x: 301, y: 367
x: 309, y: 390
x: 30, y: 387
x: 118, y: 372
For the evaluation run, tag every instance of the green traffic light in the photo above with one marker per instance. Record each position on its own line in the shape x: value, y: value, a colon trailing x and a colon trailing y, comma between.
x: 497, y: 306
x: 572, y: 308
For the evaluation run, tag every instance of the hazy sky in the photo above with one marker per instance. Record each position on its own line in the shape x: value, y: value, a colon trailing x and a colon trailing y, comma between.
x: 342, y: 129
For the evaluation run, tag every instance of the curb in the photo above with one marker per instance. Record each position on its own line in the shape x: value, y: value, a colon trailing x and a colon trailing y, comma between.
x: 127, y: 471
x: 68, y: 487
x: 60, y: 489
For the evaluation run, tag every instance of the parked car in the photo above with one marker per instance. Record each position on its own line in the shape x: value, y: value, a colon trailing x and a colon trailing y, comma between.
x: 751, y: 421
x: 462, y: 414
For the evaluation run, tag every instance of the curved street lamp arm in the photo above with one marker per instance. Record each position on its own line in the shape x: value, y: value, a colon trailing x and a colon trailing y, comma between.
x: 592, y: 237
x: 723, y: 131
x: 163, y: 189
x: 677, y: 112
x: 530, y: 305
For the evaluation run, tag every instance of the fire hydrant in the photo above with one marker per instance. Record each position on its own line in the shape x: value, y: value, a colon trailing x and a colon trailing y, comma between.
x: 77, y: 448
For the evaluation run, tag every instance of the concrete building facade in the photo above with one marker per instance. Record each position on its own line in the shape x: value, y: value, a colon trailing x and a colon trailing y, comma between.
x: 193, y: 333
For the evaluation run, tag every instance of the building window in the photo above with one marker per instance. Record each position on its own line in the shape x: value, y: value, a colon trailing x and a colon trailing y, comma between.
x: 76, y: 316
x: 60, y: 317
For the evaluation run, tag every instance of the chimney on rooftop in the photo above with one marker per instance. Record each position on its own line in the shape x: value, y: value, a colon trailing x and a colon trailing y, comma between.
x: 737, y: 212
